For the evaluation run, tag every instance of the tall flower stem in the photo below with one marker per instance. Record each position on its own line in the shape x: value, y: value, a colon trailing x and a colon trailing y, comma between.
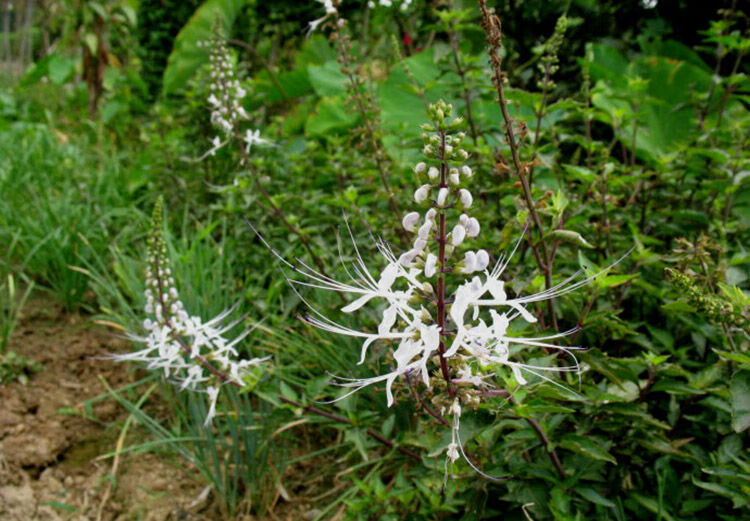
x: 366, y: 111
x: 441, y: 239
x: 491, y: 25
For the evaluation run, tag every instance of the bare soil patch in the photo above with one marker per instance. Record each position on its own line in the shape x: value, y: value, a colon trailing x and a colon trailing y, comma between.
x: 48, y: 448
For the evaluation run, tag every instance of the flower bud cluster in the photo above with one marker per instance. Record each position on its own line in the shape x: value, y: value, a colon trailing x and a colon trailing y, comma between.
x: 226, y: 93
x: 548, y: 63
x: 443, y: 189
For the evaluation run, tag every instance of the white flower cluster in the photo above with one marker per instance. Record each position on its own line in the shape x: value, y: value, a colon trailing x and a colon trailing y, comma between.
x: 225, y: 100
x: 402, y: 4
x: 457, y: 331
x: 192, y: 353
x: 227, y: 94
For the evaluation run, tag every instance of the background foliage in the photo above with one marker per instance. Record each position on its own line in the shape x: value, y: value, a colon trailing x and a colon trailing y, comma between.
x: 637, y: 138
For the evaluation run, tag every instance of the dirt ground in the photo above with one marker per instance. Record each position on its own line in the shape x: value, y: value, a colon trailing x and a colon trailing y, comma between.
x: 51, y: 464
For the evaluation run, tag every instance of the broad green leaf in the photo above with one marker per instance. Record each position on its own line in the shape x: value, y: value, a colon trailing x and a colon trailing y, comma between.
x: 331, y: 115
x: 327, y: 79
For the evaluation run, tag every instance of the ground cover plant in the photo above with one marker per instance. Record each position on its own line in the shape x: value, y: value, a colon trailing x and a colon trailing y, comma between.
x: 445, y: 260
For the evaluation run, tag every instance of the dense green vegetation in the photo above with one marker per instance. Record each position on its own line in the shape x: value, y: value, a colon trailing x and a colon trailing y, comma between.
x: 608, y: 133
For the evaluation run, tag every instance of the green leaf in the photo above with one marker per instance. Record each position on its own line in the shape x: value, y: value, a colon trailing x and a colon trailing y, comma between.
x: 569, y: 236
x: 740, y: 392
x: 187, y: 56
x: 592, y: 495
x: 58, y: 504
x: 740, y: 358
x: 652, y: 505
x: 331, y: 115
x: 611, y: 281
x: 327, y: 79
x: 739, y: 499
x: 580, y: 173
x: 586, y: 446
x: 287, y: 392
x: 91, y: 42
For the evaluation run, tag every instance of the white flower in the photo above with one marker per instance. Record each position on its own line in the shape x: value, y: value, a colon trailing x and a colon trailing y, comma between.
x: 430, y: 265
x: 422, y: 193
x: 252, y: 137
x: 442, y: 196
x: 464, y: 196
x: 472, y: 227
x: 452, y: 452
x: 420, y: 168
x: 330, y: 10
x: 470, y: 262
x: 213, y: 394
x: 424, y: 230
x: 410, y: 221
x: 466, y: 171
x: 483, y: 260
x: 457, y: 235
x: 433, y: 173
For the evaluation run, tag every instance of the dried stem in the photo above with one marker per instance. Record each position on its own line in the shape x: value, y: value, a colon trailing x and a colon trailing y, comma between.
x: 491, y: 25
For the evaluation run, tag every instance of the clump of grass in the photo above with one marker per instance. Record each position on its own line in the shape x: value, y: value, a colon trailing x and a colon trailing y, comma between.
x: 76, y: 200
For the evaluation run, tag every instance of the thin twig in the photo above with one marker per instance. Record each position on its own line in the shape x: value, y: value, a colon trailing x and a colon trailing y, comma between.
x: 551, y: 453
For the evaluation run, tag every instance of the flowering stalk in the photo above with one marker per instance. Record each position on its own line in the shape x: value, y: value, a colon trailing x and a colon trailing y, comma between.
x: 192, y: 353
x: 227, y: 114
x: 370, y: 131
